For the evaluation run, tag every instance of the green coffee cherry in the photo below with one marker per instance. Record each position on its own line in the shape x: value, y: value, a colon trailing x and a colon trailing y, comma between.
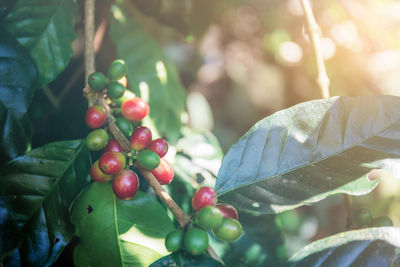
x: 209, y: 217
x: 148, y: 159
x: 361, y: 217
x: 117, y: 70
x: 115, y: 90
x: 97, y: 139
x: 195, y: 241
x: 97, y: 81
x: 125, y: 126
x: 174, y: 240
x: 381, y: 221
x: 229, y: 231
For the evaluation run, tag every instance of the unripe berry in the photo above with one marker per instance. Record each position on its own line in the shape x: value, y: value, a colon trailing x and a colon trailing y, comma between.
x: 381, y: 221
x: 148, y: 159
x: 95, y: 117
x: 229, y: 231
x: 195, y: 241
x: 117, y: 69
x: 140, y: 138
x: 204, y: 196
x: 125, y: 126
x: 174, y: 240
x: 164, y: 173
x: 135, y: 109
x: 97, y: 139
x: 97, y: 81
x: 98, y: 175
x: 209, y: 217
x: 115, y: 90
x: 361, y: 217
x: 112, y: 162
x: 160, y: 146
x: 125, y: 184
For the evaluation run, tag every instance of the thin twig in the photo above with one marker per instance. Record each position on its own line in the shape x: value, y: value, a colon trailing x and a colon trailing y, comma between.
x: 94, y: 97
x: 314, y: 32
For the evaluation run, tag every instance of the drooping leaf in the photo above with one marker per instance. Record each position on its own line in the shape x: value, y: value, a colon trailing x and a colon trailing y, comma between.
x: 46, y: 30
x: 367, y: 247
x: 37, y: 189
x: 17, y: 76
x: 310, y: 151
x: 150, y: 75
x: 261, y: 244
x: 198, y: 157
x: 116, y: 232
x: 183, y: 259
x: 9, y: 234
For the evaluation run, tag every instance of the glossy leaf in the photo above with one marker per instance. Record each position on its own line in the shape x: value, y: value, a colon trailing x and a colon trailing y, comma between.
x: 37, y: 189
x: 367, y: 247
x: 310, y: 151
x: 150, y: 75
x: 183, y: 259
x: 17, y: 76
x: 116, y: 232
x: 46, y: 29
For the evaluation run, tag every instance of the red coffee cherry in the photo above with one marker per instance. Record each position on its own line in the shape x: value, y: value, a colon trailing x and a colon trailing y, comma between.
x: 160, y: 146
x: 125, y: 184
x: 164, y: 173
x: 135, y: 109
x: 98, y: 175
x: 113, y: 146
x: 112, y: 162
x: 140, y: 138
x: 95, y: 117
x: 205, y: 196
x: 228, y: 211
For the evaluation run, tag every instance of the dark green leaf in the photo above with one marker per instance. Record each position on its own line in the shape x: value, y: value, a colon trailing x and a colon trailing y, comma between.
x: 310, y: 151
x: 116, y: 232
x: 149, y: 74
x: 367, y: 247
x: 18, y: 74
x: 46, y: 29
x: 37, y: 189
x: 183, y: 259
x: 9, y: 234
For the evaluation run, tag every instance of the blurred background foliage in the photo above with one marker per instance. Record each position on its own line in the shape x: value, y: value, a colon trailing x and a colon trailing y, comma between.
x: 240, y: 61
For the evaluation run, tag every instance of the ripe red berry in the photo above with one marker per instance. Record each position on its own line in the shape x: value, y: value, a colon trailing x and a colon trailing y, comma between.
x: 113, y: 146
x: 204, y: 196
x: 112, y: 162
x: 228, y: 211
x: 160, y: 146
x: 135, y: 109
x: 95, y: 117
x: 164, y: 173
x: 98, y: 175
x: 125, y: 184
x: 140, y: 138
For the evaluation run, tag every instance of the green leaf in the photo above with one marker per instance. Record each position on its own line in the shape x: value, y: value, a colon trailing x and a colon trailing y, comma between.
x: 183, y: 259
x: 37, y: 189
x: 150, y: 75
x: 198, y: 157
x: 46, y: 29
x: 310, y: 151
x: 367, y: 247
x: 262, y: 243
x: 9, y: 234
x: 17, y: 76
x: 116, y: 232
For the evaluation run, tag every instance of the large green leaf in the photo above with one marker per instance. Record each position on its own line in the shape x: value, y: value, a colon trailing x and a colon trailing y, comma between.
x: 37, y: 189
x: 17, y: 76
x: 116, y: 232
x: 9, y: 234
x: 183, y: 259
x: 46, y: 29
x: 367, y: 247
x: 150, y: 75
x: 310, y: 151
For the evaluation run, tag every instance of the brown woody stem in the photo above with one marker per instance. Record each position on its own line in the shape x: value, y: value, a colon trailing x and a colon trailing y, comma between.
x: 94, y: 97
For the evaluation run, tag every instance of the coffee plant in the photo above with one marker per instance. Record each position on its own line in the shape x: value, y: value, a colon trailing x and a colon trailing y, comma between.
x: 110, y: 163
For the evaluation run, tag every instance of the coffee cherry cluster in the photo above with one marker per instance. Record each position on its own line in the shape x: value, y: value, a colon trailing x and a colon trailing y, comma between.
x: 362, y: 217
x: 220, y: 219
x: 147, y: 153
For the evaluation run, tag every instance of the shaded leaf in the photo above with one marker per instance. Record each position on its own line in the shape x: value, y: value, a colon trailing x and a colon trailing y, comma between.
x: 310, y: 151
x: 183, y: 259
x: 9, y: 234
x: 37, y: 189
x: 150, y: 75
x: 367, y: 247
x: 46, y: 30
x: 18, y: 74
x: 116, y: 232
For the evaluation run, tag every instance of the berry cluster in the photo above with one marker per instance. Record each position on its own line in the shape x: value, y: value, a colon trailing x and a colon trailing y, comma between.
x: 221, y: 219
x: 362, y: 217
x: 146, y: 152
